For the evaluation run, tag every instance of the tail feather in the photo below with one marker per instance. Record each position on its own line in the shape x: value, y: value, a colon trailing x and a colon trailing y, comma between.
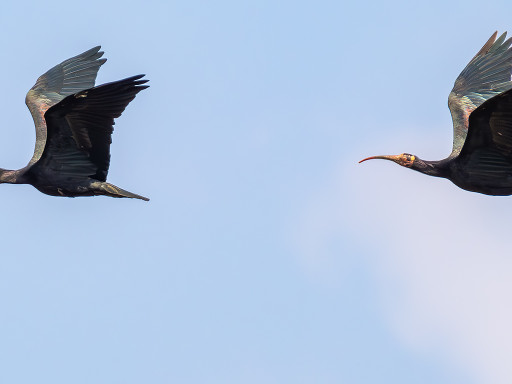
x: 114, y: 191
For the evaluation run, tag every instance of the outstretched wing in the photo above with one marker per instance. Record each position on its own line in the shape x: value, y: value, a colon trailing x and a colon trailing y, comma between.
x: 80, y: 129
x: 487, y: 74
x: 487, y: 153
x: 69, y: 77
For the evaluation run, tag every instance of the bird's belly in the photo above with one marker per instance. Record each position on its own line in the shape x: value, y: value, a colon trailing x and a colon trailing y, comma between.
x: 67, y: 191
x: 54, y: 184
x: 497, y: 184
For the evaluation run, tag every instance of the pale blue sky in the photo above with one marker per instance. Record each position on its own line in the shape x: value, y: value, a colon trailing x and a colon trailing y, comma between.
x: 266, y: 253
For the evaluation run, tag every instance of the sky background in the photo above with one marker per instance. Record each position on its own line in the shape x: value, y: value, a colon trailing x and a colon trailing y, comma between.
x: 266, y: 253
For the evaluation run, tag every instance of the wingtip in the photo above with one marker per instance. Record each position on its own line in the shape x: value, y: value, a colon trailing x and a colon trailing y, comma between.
x: 138, y: 82
x: 504, y: 40
x: 94, y: 50
x: 92, y: 54
x: 487, y: 46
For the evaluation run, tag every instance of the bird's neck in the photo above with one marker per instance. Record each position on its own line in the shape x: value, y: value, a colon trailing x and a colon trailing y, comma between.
x: 432, y: 168
x: 8, y: 176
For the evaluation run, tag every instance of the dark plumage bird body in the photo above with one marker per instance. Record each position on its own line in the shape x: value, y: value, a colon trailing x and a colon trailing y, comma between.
x: 481, y: 107
x: 74, y: 123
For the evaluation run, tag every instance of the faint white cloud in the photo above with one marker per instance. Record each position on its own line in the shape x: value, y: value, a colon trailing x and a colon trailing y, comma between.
x: 442, y: 258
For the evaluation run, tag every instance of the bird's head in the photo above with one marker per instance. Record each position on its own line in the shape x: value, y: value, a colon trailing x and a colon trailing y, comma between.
x: 405, y: 159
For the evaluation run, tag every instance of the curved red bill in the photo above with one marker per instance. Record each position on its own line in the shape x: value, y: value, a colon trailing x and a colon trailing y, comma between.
x: 386, y: 157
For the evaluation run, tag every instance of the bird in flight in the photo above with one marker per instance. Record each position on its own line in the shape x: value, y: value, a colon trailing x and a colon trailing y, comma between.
x: 481, y: 107
x: 74, y: 123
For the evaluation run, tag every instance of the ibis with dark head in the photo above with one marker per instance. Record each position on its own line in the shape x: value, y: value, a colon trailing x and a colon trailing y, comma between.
x: 481, y: 107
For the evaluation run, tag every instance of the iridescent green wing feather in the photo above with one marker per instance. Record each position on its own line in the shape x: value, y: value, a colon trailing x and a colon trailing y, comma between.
x: 487, y: 75
x: 69, y: 77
